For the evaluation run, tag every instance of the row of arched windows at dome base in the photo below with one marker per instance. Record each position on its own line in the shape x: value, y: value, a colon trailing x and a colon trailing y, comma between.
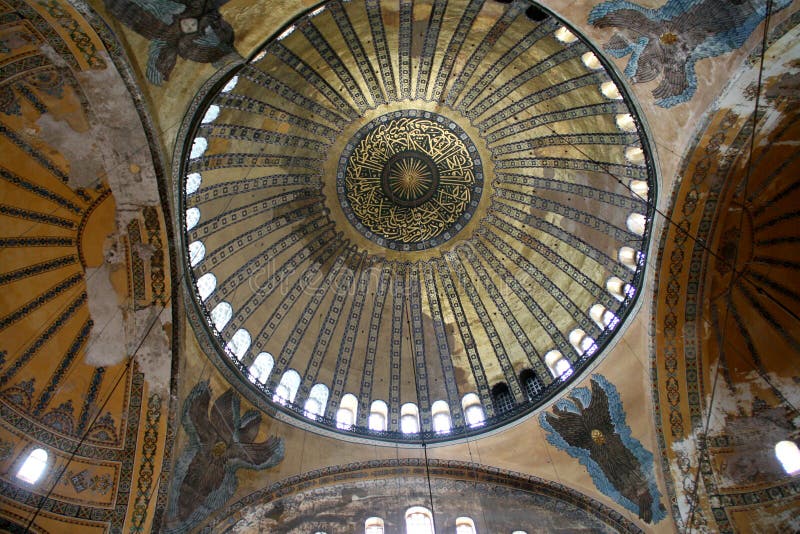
x: 419, y: 520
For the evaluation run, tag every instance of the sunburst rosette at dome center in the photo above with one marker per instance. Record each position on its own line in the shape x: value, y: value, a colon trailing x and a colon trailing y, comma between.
x: 409, y: 221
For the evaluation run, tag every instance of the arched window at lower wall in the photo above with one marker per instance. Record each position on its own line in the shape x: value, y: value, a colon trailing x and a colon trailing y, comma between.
x: 465, y: 525
x: 373, y: 525
x: 419, y: 520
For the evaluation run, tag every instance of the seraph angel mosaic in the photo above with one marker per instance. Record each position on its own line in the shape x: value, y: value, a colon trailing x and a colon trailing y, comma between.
x: 191, y: 29
x: 590, y: 426
x: 667, y: 42
x: 221, y: 441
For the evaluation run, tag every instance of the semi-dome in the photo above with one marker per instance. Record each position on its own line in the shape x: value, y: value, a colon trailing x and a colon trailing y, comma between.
x: 416, y: 221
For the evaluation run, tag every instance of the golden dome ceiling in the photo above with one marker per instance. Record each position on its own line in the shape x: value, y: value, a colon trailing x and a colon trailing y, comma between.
x: 416, y: 202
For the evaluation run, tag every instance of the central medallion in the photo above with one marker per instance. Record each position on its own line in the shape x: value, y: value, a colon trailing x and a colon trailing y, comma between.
x: 409, y: 180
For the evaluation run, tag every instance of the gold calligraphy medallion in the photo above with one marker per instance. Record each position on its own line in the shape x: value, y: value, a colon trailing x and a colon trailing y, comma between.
x: 409, y: 180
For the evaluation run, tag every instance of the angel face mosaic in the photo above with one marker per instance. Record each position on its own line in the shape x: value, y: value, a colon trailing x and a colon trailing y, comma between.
x: 409, y: 180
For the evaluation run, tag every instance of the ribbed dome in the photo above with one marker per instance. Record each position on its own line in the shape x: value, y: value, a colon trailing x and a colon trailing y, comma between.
x: 416, y: 210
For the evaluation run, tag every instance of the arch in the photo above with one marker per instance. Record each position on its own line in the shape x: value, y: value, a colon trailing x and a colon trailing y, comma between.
x: 565, y: 36
x: 419, y: 520
x: 261, y: 368
x: 197, y: 251
x: 192, y: 218
x: 630, y: 257
x: 559, y: 366
x: 636, y: 223
x: 440, y: 411
x: 473, y: 410
x: 531, y: 384
x: 230, y: 85
x: 220, y: 315
x: 625, y: 122
x: 789, y: 456
x: 193, y: 181
x: 199, y: 146
x: 33, y: 467
x: 582, y: 342
x: 536, y: 14
x: 409, y: 418
x: 373, y: 525
x: 287, y: 387
x: 590, y: 61
x: 610, y: 90
x: 603, y: 317
x: 639, y: 188
x: 465, y: 525
x: 635, y: 155
x: 619, y: 289
x: 316, y: 401
x: 346, y: 414
x: 211, y: 114
x: 239, y: 343
x: 378, y: 415
x: 502, y: 398
x: 206, y: 285
x: 519, y: 532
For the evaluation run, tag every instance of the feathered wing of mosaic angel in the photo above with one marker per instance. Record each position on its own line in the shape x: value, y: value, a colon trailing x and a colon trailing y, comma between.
x: 191, y: 29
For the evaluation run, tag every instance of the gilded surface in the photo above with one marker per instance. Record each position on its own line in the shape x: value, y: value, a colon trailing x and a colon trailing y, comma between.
x: 410, y: 180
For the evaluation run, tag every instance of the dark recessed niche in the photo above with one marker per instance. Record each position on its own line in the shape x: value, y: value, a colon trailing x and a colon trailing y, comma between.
x: 536, y: 14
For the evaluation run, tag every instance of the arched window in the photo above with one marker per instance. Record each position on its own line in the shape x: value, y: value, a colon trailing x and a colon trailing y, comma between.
x: 630, y: 257
x: 199, y: 146
x: 346, y: 414
x: 603, y: 317
x: 440, y: 411
x: 619, y: 289
x: 230, y: 85
x: 317, y: 399
x: 519, y: 532
x: 33, y: 466
x: 197, y: 251
x: 409, y: 418
x: 582, y: 342
x: 502, y: 398
x: 634, y: 155
x: 789, y: 456
x: 220, y: 315
x: 378, y: 415
x: 261, y: 368
x: 373, y: 525
x: 565, y: 36
x: 639, y: 188
x: 531, y: 383
x: 465, y: 525
x: 287, y: 388
x: 559, y: 366
x: 239, y: 343
x: 192, y: 218
x: 625, y: 122
x: 473, y: 411
x: 636, y: 223
x: 206, y: 285
x: 591, y: 61
x: 193, y: 181
x: 610, y: 90
x: 419, y: 520
x: 211, y: 114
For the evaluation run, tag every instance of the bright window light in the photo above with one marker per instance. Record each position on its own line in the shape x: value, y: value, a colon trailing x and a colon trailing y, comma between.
x: 789, y: 456
x: 34, y: 466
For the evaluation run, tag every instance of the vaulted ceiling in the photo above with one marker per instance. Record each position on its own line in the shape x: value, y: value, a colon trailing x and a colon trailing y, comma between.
x: 118, y: 117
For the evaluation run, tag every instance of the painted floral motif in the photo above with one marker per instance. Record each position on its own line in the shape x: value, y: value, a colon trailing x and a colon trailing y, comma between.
x: 221, y: 441
x: 191, y: 29
x: 590, y: 426
x: 666, y: 42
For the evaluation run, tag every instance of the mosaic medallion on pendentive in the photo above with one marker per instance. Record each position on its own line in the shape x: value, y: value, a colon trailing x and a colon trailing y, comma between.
x: 409, y: 180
